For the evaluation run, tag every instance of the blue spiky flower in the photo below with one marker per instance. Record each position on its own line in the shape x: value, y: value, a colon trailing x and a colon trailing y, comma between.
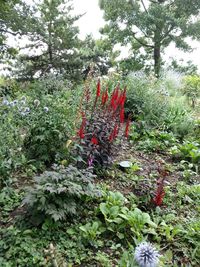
x: 146, y: 255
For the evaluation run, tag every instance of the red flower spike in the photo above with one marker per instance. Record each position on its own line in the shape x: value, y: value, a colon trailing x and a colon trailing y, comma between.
x: 158, y: 199
x: 160, y: 193
x: 116, y: 94
x: 115, y: 131
x: 122, y: 115
x: 81, y: 133
x: 111, y: 137
x: 98, y: 92
x: 127, y: 127
x: 94, y: 140
x: 106, y: 95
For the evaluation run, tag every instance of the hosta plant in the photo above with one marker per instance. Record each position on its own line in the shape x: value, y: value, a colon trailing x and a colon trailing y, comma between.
x: 60, y: 192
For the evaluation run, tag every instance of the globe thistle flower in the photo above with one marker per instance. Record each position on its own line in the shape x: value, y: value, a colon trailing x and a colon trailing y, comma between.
x: 12, y: 104
x: 46, y: 109
x: 15, y: 102
x: 5, y: 102
x: 27, y: 110
x: 146, y: 255
x: 36, y: 102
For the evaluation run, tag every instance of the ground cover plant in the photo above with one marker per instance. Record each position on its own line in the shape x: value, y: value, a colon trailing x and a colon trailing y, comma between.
x: 70, y: 204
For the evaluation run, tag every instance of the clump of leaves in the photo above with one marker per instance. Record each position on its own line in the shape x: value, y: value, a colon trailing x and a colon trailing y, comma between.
x: 189, y: 151
x: 102, y: 118
x: 60, y: 192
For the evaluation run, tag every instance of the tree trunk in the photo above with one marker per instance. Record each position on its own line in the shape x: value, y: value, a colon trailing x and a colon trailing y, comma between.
x: 50, y: 43
x: 157, y: 60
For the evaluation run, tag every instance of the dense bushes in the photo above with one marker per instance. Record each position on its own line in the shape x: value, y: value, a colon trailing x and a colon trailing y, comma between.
x: 158, y: 103
x: 35, y: 127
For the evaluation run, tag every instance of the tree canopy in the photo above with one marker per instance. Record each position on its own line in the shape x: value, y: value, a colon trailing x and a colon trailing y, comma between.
x: 152, y: 24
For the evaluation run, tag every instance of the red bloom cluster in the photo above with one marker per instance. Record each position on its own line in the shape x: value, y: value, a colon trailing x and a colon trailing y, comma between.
x: 81, y: 132
x: 98, y: 92
x: 114, y: 107
x: 94, y: 140
x: 104, y: 97
x: 160, y: 193
x: 101, y: 122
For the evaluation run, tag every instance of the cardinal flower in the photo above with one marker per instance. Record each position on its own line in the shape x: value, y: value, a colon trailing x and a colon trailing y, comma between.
x: 81, y: 132
x: 115, y: 131
x: 98, y: 92
x: 160, y: 193
x: 122, y: 115
x: 94, y: 140
x: 104, y: 97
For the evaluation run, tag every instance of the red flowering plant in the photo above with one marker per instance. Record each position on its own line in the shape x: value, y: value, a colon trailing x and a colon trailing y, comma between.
x: 160, y: 191
x: 102, y: 122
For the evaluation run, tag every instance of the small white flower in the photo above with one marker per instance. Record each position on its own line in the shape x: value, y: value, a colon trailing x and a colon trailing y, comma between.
x: 46, y: 109
x: 12, y: 104
x: 23, y: 98
x: 23, y: 102
x: 36, y: 102
x: 146, y: 255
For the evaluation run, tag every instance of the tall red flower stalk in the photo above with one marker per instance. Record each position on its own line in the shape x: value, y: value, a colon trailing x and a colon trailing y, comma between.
x: 98, y: 92
x: 81, y: 132
x: 160, y: 193
x: 104, y: 97
x: 122, y: 115
x: 104, y: 119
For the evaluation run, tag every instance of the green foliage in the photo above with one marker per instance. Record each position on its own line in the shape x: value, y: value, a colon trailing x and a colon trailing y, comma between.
x: 152, y: 25
x: 60, y: 192
x: 154, y: 140
x: 35, y: 127
x: 154, y: 105
x: 55, y: 38
x: 15, y: 16
x: 99, y: 54
x: 9, y: 200
x: 192, y: 88
x: 91, y: 231
x: 189, y: 151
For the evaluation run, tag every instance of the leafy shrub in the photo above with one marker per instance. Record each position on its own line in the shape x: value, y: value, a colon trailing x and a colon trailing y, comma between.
x: 154, y: 103
x: 35, y: 130
x: 102, y: 118
x: 155, y: 140
x: 49, y: 128
x: 61, y: 192
x: 188, y: 150
x: 191, y: 88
